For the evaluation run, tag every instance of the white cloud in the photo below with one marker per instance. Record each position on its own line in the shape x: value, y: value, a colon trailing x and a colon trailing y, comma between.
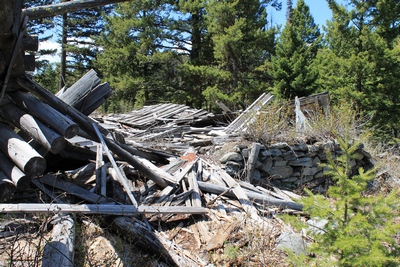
x: 51, y: 45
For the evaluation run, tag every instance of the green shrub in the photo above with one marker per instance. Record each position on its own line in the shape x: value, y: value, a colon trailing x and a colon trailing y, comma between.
x: 361, y: 228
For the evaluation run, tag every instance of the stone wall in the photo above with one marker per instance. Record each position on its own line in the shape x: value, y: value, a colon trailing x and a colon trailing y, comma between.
x: 290, y: 166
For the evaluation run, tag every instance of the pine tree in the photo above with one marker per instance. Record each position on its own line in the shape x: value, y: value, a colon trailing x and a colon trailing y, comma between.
x: 241, y: 43
x: 360, y: 229
x: 134, y: 58
x: 78, y: 48
x: 292, y: 69
x: 359, y: 66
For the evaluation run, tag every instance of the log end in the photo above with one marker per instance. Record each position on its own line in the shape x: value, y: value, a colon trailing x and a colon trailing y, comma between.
x: 22, y: 183
x: 71, y: 131
x: 7, y: 190
x: 35, y: 167
x: 58, y: 145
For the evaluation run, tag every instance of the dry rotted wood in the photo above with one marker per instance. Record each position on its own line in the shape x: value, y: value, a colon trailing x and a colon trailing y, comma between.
x: 20, y: 152
x: 220, y: 237
x: 241, y: 122
x: 47, y: 114
x: 145, y: 167
x: 87, y: 94
x: 48, y: 138
x: 101, y: 184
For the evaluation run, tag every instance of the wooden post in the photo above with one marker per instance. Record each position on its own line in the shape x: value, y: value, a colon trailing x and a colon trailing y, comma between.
x: 20, y: 152
x: 47, y: 114
x: 251, y: 163
x: 20, y: 180
x: 45, y: 136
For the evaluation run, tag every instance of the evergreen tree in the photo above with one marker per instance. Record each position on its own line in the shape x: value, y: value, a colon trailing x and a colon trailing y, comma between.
x: 78, y: 48
x: 241, y: 43
x: 292, y: 69
x: 358, y: 66
x: 134, y: 59
x: 43, y: 28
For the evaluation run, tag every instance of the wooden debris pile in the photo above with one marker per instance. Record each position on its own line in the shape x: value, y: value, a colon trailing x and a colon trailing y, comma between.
x: 137, y: 188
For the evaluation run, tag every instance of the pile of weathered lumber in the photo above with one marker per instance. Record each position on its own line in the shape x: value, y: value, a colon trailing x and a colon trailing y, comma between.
x: 135, y: 187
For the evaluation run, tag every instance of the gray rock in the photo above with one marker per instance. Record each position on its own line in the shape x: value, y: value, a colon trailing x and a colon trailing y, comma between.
x: 280, y: 162
x: 245, y: 153
x: 317, y: 225
x: 293, y: 242
x: 267, y: 165
x: 281, y: 172
x: 279, y: 145
x: 290, y: 180
x: 305, y: 162
x: 231, y: 156
x: 271, y: 152
x: 301, y: 147
x: 310, y: 171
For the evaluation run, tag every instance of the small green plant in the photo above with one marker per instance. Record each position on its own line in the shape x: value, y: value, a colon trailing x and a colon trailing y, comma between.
x: 361, y: 228
x: 231, y: 251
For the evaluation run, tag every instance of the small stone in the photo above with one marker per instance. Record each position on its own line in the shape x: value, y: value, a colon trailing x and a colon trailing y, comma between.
x: 305, y: 162
x: 232, y: 156
x: 293, y: 242
x: 281, y: 172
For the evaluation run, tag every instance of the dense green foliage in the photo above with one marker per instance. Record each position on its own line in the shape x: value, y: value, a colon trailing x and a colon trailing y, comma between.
x: 360, y: 229
x: 196, y: 52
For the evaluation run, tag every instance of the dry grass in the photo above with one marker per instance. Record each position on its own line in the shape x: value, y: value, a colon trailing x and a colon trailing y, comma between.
x: 251, y: 244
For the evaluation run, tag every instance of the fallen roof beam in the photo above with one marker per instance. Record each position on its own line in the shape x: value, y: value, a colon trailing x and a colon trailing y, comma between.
x: 98, y: 209
x: 65, y: 7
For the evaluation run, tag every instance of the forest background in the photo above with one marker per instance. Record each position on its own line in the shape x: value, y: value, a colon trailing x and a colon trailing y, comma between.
x: 195, y: 52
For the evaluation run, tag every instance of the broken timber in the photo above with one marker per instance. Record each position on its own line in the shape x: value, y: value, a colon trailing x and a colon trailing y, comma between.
x: 106, y: 209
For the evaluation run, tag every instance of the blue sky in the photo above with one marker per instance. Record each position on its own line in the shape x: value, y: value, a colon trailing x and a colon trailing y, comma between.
x: 319, y: 10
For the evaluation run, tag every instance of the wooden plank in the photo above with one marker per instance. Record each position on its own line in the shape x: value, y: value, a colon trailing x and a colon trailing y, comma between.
x: 245, y: 117
x: 218, y: 240
x: 193, y: 185
x: 120, y: 176
x: 107, y: 209
x: 259, y: 198
x: 70, y: 188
